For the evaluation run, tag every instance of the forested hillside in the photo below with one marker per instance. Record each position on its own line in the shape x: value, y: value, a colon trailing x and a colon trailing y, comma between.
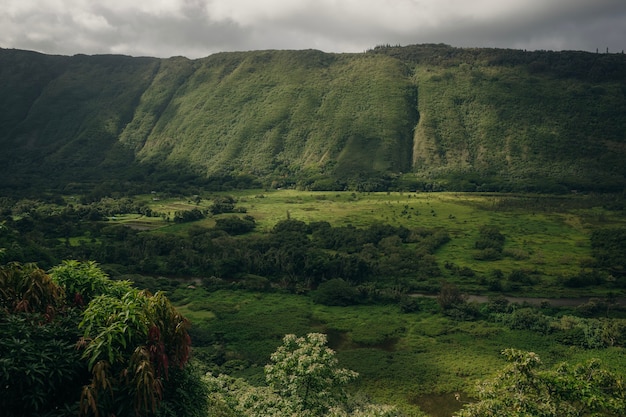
x: 415, y: 117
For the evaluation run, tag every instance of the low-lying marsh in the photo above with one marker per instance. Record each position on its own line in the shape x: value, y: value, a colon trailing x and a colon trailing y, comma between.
x: 414, y: 360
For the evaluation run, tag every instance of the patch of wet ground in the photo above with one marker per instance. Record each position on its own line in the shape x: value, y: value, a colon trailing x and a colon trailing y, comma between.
x: 440, y: 405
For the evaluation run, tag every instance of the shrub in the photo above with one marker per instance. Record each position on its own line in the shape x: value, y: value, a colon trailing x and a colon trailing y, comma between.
x: 183, y: 216
x: 498, y: 304
x: 410, y: 304
x: 335, y: 292
x: 488, y: 254
x: 40, y: 367
x: 490, y: 237
x: 234, y: 225
x: 528, y: 318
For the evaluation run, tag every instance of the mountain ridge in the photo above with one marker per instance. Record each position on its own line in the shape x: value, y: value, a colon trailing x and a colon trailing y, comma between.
x: 414, y: 117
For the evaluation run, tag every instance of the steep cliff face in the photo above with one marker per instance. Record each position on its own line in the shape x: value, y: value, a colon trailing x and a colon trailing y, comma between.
x: 261, y: 111
x: 514, y: 120
x: 63, y: 115
x: 463, y: 119
x: 505, y: 126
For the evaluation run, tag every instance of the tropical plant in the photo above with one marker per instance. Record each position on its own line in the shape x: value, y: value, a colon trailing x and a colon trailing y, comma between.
x: 40, y: 368
x: 28, y: 289
x: 83, y: 281
x: 38, y: 360
x: 127, y: 360
x: 130, y: 345
x: 521, y: 389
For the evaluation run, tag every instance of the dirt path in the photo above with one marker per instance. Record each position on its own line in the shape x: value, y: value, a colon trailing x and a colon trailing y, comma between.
x: 556, y: 302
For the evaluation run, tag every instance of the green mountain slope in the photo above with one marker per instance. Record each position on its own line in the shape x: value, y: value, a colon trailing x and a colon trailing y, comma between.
x: 64, y: 115
x: 502, y: 119
x: 422, y: 116
x: 278, y: 113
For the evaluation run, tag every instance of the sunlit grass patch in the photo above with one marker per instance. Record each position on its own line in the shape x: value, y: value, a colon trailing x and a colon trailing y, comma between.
x: 546, y: 236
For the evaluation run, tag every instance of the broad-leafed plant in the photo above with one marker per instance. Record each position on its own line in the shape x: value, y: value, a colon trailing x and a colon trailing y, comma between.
x: 78, y: 342
x: 131, y: 343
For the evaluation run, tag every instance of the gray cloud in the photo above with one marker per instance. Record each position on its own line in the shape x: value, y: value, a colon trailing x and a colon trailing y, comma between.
x: 196, y: 28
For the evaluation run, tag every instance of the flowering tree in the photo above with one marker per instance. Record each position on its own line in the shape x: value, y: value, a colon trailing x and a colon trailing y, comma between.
x: 304, y: 379
x: 305, y: 371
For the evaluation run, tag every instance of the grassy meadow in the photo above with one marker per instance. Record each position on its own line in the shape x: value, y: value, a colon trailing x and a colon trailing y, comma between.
x: 546, y: 236
x: 407, y: 347
x: 417, y: 360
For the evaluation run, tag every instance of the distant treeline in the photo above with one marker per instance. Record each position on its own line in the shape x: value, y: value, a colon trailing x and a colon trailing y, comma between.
x: 294, y: 255
x: 602, y: 66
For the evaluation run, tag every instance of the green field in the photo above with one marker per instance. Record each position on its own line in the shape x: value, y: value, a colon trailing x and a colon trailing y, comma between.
x: 410, y: 349
x: 415, y: 360
x: 547, y: 236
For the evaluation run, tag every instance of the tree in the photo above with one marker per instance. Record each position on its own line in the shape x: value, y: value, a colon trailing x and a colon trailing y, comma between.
x: 234, y: 225
x: 303, y: 379
x: 222, y: 204
x: 335, y: 292
x: 450, y: 297
x: 522, y: 389
x: 305, y: 371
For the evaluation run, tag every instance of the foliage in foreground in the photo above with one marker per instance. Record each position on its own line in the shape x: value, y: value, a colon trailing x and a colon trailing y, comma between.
x: 521, y: 389
x: 303, y: 379
x: 76, y: 342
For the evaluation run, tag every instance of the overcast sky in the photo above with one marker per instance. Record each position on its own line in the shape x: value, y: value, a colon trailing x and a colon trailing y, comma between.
x: 197, y: 28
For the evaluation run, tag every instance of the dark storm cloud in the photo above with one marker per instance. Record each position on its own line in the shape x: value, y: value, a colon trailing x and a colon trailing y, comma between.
x: 196, y: 28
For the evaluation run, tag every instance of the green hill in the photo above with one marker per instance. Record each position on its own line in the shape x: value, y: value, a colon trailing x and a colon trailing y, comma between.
x: 422, y: 116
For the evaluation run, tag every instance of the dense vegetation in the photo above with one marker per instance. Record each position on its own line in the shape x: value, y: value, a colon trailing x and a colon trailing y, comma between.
x: 402, y: 242
x: 75, y: 342
x: 248, y: 268
x: 419, y: 117
x: 204, y: 201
